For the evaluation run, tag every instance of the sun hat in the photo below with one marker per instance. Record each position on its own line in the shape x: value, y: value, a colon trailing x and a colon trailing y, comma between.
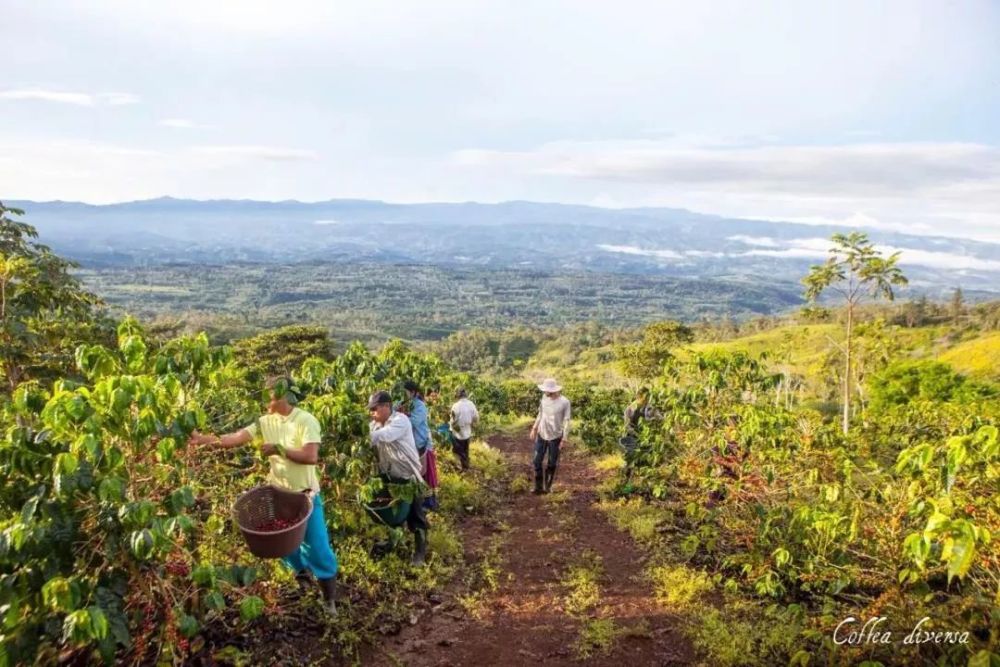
x: 549, y: 385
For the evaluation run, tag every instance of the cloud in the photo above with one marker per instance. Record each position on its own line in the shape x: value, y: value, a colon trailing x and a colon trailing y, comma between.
x: 861, y: 168
x: 764, y: 241
x: 633, y: 250
x: 74, y: 98
x: 942, y: 260
x: 272, y: 153
x: 118, y: 99
x: 79, y: 99
x: 97, y: 172
x: 704, y: 253
x: 181, y: 123
x: 915, y: 187
x: 819, y: 249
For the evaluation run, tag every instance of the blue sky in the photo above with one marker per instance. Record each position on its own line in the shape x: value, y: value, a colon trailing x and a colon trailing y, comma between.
x: 877, y: 113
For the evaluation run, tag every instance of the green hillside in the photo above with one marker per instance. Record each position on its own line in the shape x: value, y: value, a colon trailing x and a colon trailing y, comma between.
x: 979, y: 356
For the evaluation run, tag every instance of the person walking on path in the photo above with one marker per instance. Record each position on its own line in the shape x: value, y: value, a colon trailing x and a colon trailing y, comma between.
x: 398, y: 461
x: 291, y: 444
x: 549, y: 431
x: 464, y: 416
x: 417, y: 413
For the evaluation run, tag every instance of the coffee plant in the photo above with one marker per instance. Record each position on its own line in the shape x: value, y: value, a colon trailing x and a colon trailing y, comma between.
x: 897, y: 518
x: 115, y: 537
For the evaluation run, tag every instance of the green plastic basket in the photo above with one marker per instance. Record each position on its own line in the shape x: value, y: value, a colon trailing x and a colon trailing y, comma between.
x: 391, y: 512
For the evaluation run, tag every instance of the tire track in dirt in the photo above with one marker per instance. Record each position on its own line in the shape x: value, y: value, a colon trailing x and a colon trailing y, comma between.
x: 524, y: 621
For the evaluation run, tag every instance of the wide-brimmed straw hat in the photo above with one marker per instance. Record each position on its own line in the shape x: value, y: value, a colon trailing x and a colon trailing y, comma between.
x: 549, y: 386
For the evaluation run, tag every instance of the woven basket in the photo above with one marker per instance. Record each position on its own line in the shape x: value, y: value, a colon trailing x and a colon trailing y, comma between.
x: 258, y: 506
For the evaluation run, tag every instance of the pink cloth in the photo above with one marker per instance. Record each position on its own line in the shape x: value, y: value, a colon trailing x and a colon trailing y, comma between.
x: 430, y: 471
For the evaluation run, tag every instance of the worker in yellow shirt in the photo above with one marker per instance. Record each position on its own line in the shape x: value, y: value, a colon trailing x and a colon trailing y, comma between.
x: 291, y: 444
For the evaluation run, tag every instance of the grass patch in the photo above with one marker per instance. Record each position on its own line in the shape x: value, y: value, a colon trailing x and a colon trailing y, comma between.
x: 520, y: 484
x: 515, y: 428
x: 677, y: 586
x: 597, y: 637
x: 484, y: 578
x: 636, y: 517
x: 742, y: 633
x: 581, y: 584
x: 443, y: 542
x: 726, y: 642
x: 609, y: 462
x: 979, y: 356
x: 558, y: 497
x: 487, y: 461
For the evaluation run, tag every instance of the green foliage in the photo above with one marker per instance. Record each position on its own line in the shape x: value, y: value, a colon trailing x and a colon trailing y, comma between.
x: 374, y: 302
x: 908, y: 381
x: 748, y: 486
x: 645, y: 359
x: 979, y: 356
x: 482, y: 351
x: 44, y: 312
x: 281, y: 351
x: 110, y: 532
x: 597, y: 637
x: 679, y: 587
x: 581, y: 585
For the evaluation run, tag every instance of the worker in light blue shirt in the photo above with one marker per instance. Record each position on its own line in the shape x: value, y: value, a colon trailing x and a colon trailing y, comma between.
x: 417, y: 413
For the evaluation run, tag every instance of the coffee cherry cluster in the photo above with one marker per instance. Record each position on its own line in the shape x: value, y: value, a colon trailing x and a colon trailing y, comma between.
x: 275, y: 525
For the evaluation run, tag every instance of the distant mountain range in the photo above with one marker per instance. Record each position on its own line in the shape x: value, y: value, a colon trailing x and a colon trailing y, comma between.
x: 548, y: 237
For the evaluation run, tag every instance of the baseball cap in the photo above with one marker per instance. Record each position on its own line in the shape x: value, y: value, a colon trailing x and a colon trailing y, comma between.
x: 378, y: 398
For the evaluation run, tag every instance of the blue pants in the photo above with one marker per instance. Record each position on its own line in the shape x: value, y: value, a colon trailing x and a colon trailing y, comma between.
x: 542, y: 446
x: 315, y: 552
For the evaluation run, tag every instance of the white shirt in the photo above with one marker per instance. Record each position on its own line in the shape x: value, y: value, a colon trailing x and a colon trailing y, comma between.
x: 553, y: 418
x: 463, y: 416
x: 397, y: 453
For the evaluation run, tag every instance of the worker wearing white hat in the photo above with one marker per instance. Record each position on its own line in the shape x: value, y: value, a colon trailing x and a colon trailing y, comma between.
x: 548, y: 432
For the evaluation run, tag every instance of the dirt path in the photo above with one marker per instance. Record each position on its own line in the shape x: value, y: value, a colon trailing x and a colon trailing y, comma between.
x: 524, y: 619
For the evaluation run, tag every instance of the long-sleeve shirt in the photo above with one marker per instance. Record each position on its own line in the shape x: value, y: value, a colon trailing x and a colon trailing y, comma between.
x: 397, y: 453
x: 553, y: 418
x: 634, y: 413
x: 464, y: 416
x: 418, y: 419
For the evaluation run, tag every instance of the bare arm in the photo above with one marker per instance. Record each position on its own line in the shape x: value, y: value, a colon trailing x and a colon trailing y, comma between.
x: 307, y: 455
x: 227, y: 441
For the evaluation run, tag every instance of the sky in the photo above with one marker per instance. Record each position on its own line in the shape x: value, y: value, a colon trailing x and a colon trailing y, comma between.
x: 860, y: 113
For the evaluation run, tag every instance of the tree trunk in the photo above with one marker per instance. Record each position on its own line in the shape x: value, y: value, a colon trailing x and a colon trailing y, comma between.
x: 847, y: 369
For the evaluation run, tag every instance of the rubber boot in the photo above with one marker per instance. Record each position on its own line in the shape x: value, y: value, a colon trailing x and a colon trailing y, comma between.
x: 304, y: 580
x: 385, y: 547
x: 549, y: 474
x: 538, y: 484
x: 328, y: 587
x: 419, y: 547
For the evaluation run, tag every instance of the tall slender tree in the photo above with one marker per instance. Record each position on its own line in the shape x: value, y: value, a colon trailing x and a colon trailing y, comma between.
x: 957, y: 305
x: 856, y: 271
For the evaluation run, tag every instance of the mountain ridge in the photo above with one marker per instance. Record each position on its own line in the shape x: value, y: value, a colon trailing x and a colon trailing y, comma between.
x: 516, y: 233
